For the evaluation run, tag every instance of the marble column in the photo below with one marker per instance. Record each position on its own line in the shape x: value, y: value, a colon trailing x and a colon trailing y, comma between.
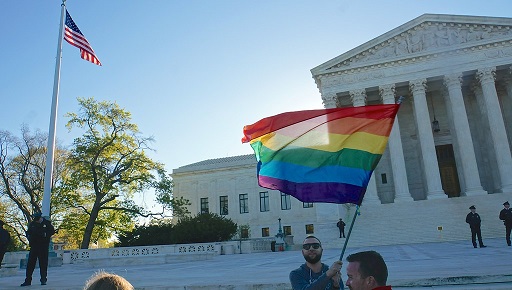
x: 485, y: 135
x: 387, y: 94
x: 330, y: 100
x: 358, y: 98
x: 507, y: 107
x: 426, y: 140
x: 500, y: 144
x: 463, y: 135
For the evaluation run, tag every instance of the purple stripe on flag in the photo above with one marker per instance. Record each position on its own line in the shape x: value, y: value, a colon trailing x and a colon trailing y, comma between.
x: 316, y: 191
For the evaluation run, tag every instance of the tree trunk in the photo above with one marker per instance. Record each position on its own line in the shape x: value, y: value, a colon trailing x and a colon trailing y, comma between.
x: 90, y: 226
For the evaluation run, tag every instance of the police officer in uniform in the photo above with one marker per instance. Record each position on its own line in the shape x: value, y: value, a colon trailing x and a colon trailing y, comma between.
x: 341, y: 226
x: 39, y: 232
x: 5, y: 238
x: 506, y: 217
x: 474, y: 221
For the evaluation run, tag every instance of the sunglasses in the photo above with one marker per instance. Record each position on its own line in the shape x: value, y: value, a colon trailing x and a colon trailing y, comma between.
x: 315, y: 246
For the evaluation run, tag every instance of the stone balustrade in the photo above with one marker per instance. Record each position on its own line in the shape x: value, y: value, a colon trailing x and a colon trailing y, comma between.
x: 156, y: 254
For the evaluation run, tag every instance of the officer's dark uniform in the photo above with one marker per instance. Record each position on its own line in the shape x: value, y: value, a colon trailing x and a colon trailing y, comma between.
x: 506, y: 217
x: 38, y: 235
x: 341, y: 226
x: 5, y: 238
x: 474, y: 221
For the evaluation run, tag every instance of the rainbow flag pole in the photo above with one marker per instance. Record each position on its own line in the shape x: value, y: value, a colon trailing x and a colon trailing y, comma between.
x: 356, y: 213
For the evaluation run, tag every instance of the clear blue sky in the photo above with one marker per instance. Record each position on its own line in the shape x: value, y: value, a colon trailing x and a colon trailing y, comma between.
x: 192, y: 73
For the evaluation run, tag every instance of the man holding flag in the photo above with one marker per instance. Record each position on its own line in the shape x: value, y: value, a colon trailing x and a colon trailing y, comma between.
x: 314, y: 274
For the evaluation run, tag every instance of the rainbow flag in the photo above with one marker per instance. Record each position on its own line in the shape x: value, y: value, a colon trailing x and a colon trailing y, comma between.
x: 321, y: 155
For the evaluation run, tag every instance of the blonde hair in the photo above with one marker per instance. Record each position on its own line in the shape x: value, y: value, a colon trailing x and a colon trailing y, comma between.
x: 107, y: 281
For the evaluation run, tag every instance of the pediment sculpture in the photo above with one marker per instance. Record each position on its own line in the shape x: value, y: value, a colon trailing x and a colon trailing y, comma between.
x: 429, y: 37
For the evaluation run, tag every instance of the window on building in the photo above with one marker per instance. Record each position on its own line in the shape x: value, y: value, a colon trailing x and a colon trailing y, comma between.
x: 244, y: 233
x: 384, y: 178
x: 265, y: 232
x: 224, y: 205
x: 204, y: 205
x: 287, y: 230
x: 310, y: 229
x: 264, y: 201
x: 285, y: 201
x: 244, y: 202
x: 307, y: 204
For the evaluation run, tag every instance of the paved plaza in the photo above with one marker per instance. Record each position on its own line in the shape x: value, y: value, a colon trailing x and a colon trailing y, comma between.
x: 445, y: 265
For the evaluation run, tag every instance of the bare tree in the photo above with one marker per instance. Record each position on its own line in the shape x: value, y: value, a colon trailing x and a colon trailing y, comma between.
x: 22, y: 167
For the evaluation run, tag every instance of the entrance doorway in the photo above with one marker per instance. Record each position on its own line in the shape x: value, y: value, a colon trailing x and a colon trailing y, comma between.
x: 448, y: 170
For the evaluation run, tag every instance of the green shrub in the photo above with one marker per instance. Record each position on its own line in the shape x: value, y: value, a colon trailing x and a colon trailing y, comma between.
x: 157, y: 234
x: 203, y: 228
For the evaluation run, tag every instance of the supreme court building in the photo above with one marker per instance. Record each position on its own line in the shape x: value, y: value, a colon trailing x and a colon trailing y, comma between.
x: 450, y: 146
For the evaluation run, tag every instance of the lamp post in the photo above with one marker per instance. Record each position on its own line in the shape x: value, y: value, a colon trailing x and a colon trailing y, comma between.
x: 435, y: 123
x: 280, y: 238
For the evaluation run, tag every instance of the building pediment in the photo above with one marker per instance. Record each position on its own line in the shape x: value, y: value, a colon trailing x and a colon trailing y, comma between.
x: 429, y: 34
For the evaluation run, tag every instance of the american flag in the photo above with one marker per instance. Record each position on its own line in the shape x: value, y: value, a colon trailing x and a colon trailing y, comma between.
x: 74, y: 36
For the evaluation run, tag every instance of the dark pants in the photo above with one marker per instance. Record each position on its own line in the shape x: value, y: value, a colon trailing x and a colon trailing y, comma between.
x: 342, y: 232
x: 37, y: 252
x: 508, y: 228
x: 476, y: 232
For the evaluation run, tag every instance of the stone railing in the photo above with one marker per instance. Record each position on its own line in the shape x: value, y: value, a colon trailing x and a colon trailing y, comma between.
x: 257, y: 245
x: 157, y: 254
x: 84, y: 255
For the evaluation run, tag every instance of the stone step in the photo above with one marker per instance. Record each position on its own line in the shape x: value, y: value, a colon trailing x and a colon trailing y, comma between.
x: 438, y: 220
x: 8, y: 270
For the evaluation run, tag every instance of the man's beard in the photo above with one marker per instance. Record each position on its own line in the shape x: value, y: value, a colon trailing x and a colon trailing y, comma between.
x: 313, y: 260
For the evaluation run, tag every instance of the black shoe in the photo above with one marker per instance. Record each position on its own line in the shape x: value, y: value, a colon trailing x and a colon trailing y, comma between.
x: 43, y: 283
x: 475, y: 247
x: 25, y: 284
x: 482, y: 246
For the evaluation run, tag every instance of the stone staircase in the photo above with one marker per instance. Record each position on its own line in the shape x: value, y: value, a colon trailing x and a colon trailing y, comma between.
x: 437, y: 220
x: 8, y: 270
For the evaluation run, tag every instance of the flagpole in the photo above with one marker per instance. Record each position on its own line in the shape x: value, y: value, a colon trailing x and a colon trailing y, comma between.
x: 349, y: 232
x: 48, y: 174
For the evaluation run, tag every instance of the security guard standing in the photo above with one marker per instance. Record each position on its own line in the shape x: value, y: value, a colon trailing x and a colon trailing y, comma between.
x: 474, y: 221
x: 506, y: 217
x: 39, y: 232
x: 5, y: 238
x: 341, y: 226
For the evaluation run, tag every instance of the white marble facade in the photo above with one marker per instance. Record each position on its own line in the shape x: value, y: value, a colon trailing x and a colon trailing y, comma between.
x: 453, y: 70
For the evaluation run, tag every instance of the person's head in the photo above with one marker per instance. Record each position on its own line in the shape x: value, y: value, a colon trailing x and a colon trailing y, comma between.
x: 312, y: 249
x: 107, y: 281
x: 37, y: 216
x: 506, y: 204
x: 366, y: 270
x: 472, y: 208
